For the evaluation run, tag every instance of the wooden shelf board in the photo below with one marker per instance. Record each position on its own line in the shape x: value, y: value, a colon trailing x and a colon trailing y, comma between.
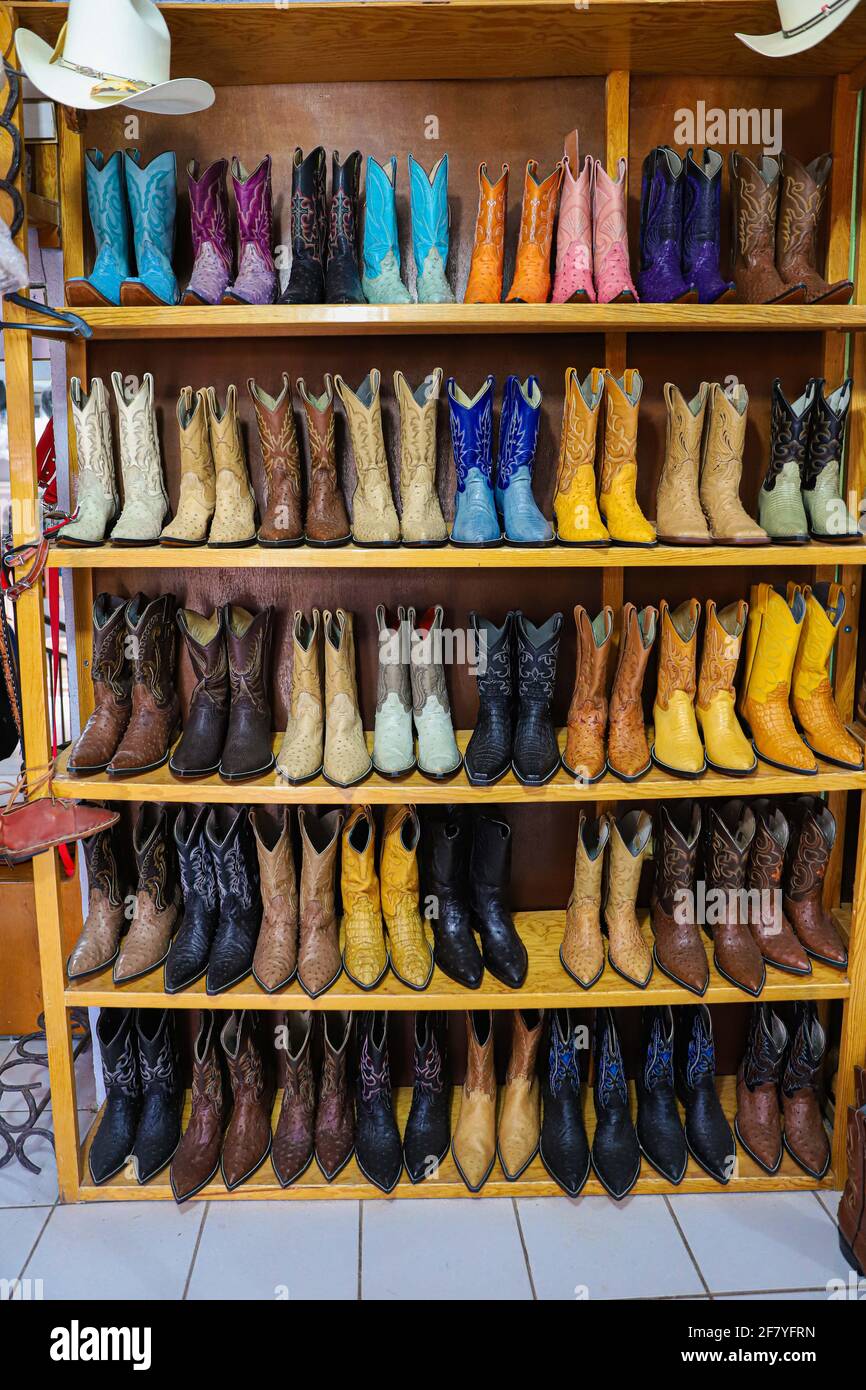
x: 535, y: 1182
x: 547, y: 986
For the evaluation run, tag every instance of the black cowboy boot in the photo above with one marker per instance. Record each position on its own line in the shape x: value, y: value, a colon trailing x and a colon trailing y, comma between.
x: 488, y: 756
x: 307, y: 276
x: 377, y: 1139
x: 428, y: 1129
x: 502, y: 950
x: 233, y: 850
x: 563, y: 1148
x: 159, y: 1126
x: 708, y: 1133
x: 659, y: 1131
x: 342, y: 283
x: 536, y: 751
x: 189, y: 951
x: 615, y: 1151
x: 445, y: 846
x: 115, y: 1137
x: 249, y: 748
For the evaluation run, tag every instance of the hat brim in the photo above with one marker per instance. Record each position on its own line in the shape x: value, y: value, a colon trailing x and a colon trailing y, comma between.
x: 779, y: 45
x: 179, y: 97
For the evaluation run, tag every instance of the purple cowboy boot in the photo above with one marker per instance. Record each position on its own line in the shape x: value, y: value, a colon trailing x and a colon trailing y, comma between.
x: 256, y: 279
x: 211, y: 233
x: 661, y: 280
x: 702, y: 228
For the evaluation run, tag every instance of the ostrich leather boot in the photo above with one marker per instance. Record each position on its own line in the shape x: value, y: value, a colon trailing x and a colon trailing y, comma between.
x: 292, y: 1151
x: 805, y: 1136
x: 327, y: 521
x: 722, y: 468
x: 772, y: 639
x: 283, y: 521
x: 92, y: 751
x: 211, y: 233
x: 812, y: 700
x: 677, y: 747
x: 852, y: 1208
x: 474, y: 1142
x: 96, y: 947
x: 250, y: 1066
x: 813, y: 837
x: 584, y: 755
x: 617, y: 497
x: 573, y: 280
x: 374, y: 516
x: 155, y: 719
x: 422, y: 522
x: 628, y: 952
x: 365, y: 958
x: 578, y: 521
x: 256, y: 280
x: 198, y: 752
x: 678, y: 950
x: 755, y: 206
x: 520, y: 1121
x: 347, y: 759
x: 730, y: 832
x: 234, y: 521
x: 770, y: 927
x: 335, y: 1114
x: 197, y: 1157
x: 610, y: 260
x: 804, y: 188
x: 319, y: 961
x: 531, y: 283
x: 249, y: 748
x: 582, y: 949
x: 679, y: 516
x: 728, y: 749
x: 197, y: 500
x: 300, y: 756
x: 484, y: 285
x: 758, y: 1124
x: 157, y: 900
x: 276, y: 957
x: 628, y: 755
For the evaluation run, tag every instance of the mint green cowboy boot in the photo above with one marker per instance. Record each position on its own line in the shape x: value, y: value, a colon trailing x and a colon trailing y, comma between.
x: 393, y: 739
x: 109, y: 218
x: 780, y: 502
x: 152, y: 193
x: 829, y: 517
x: 380, y: 280
x: 430, y: 230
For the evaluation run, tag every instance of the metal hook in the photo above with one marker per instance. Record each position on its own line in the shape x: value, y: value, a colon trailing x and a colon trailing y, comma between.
x: 66, y: 321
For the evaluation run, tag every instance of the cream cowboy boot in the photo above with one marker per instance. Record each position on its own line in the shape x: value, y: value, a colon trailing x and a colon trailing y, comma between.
x: 300, y: 757
x: 374, y: 517
x: 347, y: 760
x: 422, y: 522
x: 234, y: 521
x: 197, y: 499
x: 145, y: 500
x: 97, y: 500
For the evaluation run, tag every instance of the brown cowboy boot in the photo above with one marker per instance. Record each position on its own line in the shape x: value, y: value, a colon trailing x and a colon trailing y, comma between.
x: 852, y: 1208
x: 678, y: 950
x: 804, y: 187
x: 335, y: 1116
x: 769, y: 925
x: 755, y: 205
x: 276, y: 957
x: 812, y: 839
x: 805, y: 1136
x: 158, y: 899
x: 293, y: 1137
x: 197, y: 1157
x: 520, y: 1121
x: 112, y: 687
x: 327, y: 520
x: 96, y: 947
x: 628, y: 755
x: 729, y: 842
x: 249, y: 747
x: 759, y: 1120
x: 319, y: 960
x: 282, y: 523
x: 587, y: 714
x: 627, y: 951
x: 198, y: 751
x: 582, y: 951
x: 248, y: 1137
x: 155, y: 720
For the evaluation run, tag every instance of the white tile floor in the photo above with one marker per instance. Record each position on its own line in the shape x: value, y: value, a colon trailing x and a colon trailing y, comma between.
x: 725, y: 1245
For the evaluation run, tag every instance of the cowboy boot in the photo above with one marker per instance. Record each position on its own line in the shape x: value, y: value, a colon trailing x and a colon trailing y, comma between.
x: 197, y: 1158
x: 378, y: 1150
x: 276, y: 959
x: 157, y: 899
x: 536, y: 751
x: 575, y: 508
x: 677, y: 748
x: 198, y: 752
x: 627, y: 951
x: 722, y: 469
x: 582, y: 949
x: 234, y: 520
x: 256, y: 280
x: 520, y: 1120
x: 342, y: 283
x: 728, y: 749
x: 531, y: 283
x: 809, y: 848
x: 772, y: 638
x: 346, y: 760
x: 145, y: 500
x: 659, y: 1128
x: 572, y: 282
x: 662, y: 197
x: 679, y: 517
x: 445, y: 849
x: 190, y: 949
x: 502, y: 950
x: 365, y: 958
x: 852, y: 1207
x: 428, y: 1129
x: 615, y: 1151
x: 152, y: 194
x: 438, y: 754
x: 770, y: 927
x: 118, y: 1122
x: 780, y: 501
x: 610, y: 261
x: 484, y: 285
x: 108, y: 208
x: 730, y: 832
x: 829, y: 517
x: 475, y: 521
x: 211, y: 233
x: 334, y: 1134
x: 97, y: 502
x: 309, y: 229
x: 301, y: 753
x: 473, y: 1146
x: 393, y: 742
x: 709, y: 1136
x: 804, y: 187
x: 702, y: 228
x: 232, y: 848
x: 805, y: 1136
x: 96, y: 947
x: 327, y: 522
x: 197, y: 500
x: 563, y: 1146
x: 812, y: 699
x: 112, y: 688
x: 488, y: 754
x: 380, y: 279
x: 293, y: 1146
x: 409, y: 951
x: 248, y: 1137
x: 430, y: 227
x: 522, y: 521
x: 155, y: 719
x: 754, y: 207
x: 678, y: 950
x: 374, y: 517
x: 587, y: 714
x: 283, y: 521
x: 158, y: 1133
x: 249, y: 749
x: 422, y: 522
x: 758, y: 1123
x: 319, y: 963
x: 617, y: 498
x: 628, y: 755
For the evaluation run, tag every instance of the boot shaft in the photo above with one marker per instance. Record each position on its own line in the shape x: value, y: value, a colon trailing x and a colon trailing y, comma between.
x: 531, y: 283
x: 308, y: 206
x: 723, y: 635
x: 562, y: 1074
x: 765, y: 1048
x: 320, y: 838
x: 755, y: 207
x: 345, y: 193
x: 684, y: 433
x: 139, y: 444
x: 825, y: 608
x: 829, y: 417
x: 198, y: 881
x: 364, y: 414
x: 610, y: 237
x: 430, y: 1057
x: 676, y: 851
x: 374, y: 1080
x: 630, y: 837
x: 722, y: 460
x: 537, y: 651
x: 730, y: 832
x: 790, y: 425
x: 471, y: 432
x: 248, y: 645
x: 657, y: 1073
x: 248, y: 1071
x: 196, y: 459
x: 636, y: 642
x: 232, y: 847
x: 767, y: 859
x: 480, y: 1075
x: 579, y: 425
x: 694, y: 1050
x: 610, y: 1086
x: 108, y: 208
x: 208, y: 1094
x: 103, y: 874
x: 495, y: 658
x: 157, y: 1057
x: 622, y: 400
x: 594, y: 641
x: 417, y: 430
x: 306, y: 692
x: 118, y: 1049
x: 152, y: 640
x: 209, y: 211
x: 359, y: 883
x: 340, y: 664
x: 811, y: 842
x: 677, y: 650
x: 518, y: 429
x: 319, y: 420
x: 527, y: 1027
x: 430, y: 219
x: 807, y: 1044
x: 573, y: 278
x: 93, y: 443
x: 702, y: 226
x: 381, y: 242
x: 772, y: 638
x: 276, y: 862
x: 592, y: 840
x: 803, y: 189
x: 111, y: 672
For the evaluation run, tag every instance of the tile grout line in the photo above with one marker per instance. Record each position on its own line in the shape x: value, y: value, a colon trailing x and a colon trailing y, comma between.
x: 525, y: 1251
x: 194, y: 1255
x: 37, y: 1240
x: 361, y: 1251
x: 826, y: 1210
x: 691, y: 1254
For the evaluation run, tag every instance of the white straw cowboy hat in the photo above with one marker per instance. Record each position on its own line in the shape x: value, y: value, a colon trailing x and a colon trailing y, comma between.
x: 804, y: 24
x: 111, y: 52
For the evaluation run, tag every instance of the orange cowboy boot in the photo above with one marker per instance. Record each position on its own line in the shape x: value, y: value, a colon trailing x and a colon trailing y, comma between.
x: 484, y: 285
x: 584, y: 755
x: 811, y: 693
x: 531, y: 283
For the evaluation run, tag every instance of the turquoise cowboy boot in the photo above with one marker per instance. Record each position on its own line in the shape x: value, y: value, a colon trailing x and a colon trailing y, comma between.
x: 380, y: 280
x: 152, y: 192
x: 430, y: 230
x: 518, y: 435
x: 475, y: 520
x: 780, y: 501
x: 109, y: 218
x: 829, y: 517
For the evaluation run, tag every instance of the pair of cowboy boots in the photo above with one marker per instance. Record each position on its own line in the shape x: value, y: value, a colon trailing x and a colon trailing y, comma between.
x: 324, y: 733
x: 381, y: 923
x: 478, y: 1137
x: 228, y: 727
x: 777, y: 207
x: 213, y: 279
x: 531, y: 282
x: 382, y: 281
x: 140, y: 1121
x: 592, y: 263
x: 411, y: 690
x: 216, y: 505
x: 516, y: 659
x: 324, y: 240
x: 625, y: 753
x: 317, y: 1117
x: 680, y: 229
x: 801, y: 495
x: 622, y: 843
x: 852, y: 1208
x: 783, y: 1064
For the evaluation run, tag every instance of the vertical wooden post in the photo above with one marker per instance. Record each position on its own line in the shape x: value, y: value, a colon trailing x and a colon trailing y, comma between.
x: 852, y: 1051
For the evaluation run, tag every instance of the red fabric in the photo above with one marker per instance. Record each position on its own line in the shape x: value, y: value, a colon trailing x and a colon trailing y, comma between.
x: 46, y: 465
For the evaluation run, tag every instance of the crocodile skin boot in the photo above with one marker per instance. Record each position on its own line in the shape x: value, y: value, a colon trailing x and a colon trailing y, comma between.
x: 96, y: 947
x: 475, y: 520
x: 770, y: 927
x: 319, y: 963
x: 199, y: 750
x: 488, y: 755
x: 233, y: 851
x: 780, y: 500
x: 249, y: 749
x: 378, y: 1150
x: 158, y: 1133
x: 663, y: 184
x: 197, y: 1158
x: 108, y: 210
x: 754, y: 206
x: 96, y: 498
x: 484, y: 285
x: 772, y: 639
x: 659, y: 1128
x: 531, y: 283
x: 804, y: 187
x: 563, y: 1147
x: 157, y: 899
x: 445, y: 849
x: 145, y: 500
x: 829, y: 518
x: 811, y: 693
x: 728, y: 749
x: 250, y: 1067
x: 428, y: 1129
x: 615, y: 1150
x: 112, y: 688
x: 702, y: 228
x: 473, y: 1146
x: 722, y: 468
x: 346, y: 760
x: 393, y: 742
x: 115, y: 1135
x: 365, y: 958
x: 234, y: 520
x: 677, y: 748
x: 197, y: 500
x: 256, y: 280
x: 327, y: 522
x: 628, y: 755
x: 852, y: 1207
x: 520, y: 1120
x: 730, y: 833
x: 342, y: 282
x: 679, y: 517
x: 211, y: 233
x: 438, y: 754
x: 522, y: 521
x: 334, y: 1134
x: 758, y: 1125
x: 502, y: 950
x: 709, y: 1136
x: 536, y: 751
x: 578, y: 521
x: 293, y: 1145
x: 430, y: 230
x: 155, y: 719
x: 381, y: 276
x: 617, y: 498
x: 190, y: 950
x: 584, y: 756
x: 409, y: 951
x: 276, y: 959
x: 152, y: 193
x: 610, y: 261
x: 283, y: 521
x: 627, y: 950
x: 805, y: 1136
x: 678, y: 950
x: 582, y: 949
x: 374, y: 517
x: 572, y: 283
x: 302, y: 751
x: 813, y: 836
x: 309, y: 229
x: 422, y: 522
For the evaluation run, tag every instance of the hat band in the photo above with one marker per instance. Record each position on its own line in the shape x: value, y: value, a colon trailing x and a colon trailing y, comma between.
x: 816, y: 19
x: 107, y: 83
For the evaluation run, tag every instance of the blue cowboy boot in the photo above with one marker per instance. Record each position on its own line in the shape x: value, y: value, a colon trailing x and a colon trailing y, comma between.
x: 702, y: 228
x: 475, y: 521
x: 430, y: 230
x: 381, y: 276
x: 152, y: 192
x: 518, y: 435
x: 661, y: 279
x: 109, y: 218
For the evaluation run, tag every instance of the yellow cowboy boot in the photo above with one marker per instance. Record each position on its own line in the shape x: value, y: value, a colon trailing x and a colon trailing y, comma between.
x: 618, y: 500
x: 365, y: 958
x: 582, y: 950
x: 409, y: 950
x: 811, y: 693
x: 578, y: 521
x: 728, y: 749
x: 197, y: 500
x: 772, y: 638
x: 677, y: 747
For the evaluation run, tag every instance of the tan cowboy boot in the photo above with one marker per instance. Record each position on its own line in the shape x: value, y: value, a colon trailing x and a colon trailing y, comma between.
x: 374, y: 517
x: 319, y: 962
x: 347, y: 759
x: 584, y: 755
x: 422, y: 522
x: 409, y: 950
x: 300, y: 756
x: 276, y: 957
x: 520, y: 1121
x: 722, y: 469
x: 474, y: 1142
x: 96, y: 947
x: 627, y: 749
x: 234, y: 520
x: 679, y: 518
x: 582, y: 951
x: 157, y: 901
x: 627, y: 951
x: 365, y: 958
x: 195, y: 506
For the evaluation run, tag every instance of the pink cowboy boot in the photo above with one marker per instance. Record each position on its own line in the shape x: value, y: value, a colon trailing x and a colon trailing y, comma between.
x: 610, y: 240
x: 573, y: 281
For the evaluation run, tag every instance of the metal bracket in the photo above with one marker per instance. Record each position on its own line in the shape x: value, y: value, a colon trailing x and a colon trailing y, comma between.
x: 65, y: 321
